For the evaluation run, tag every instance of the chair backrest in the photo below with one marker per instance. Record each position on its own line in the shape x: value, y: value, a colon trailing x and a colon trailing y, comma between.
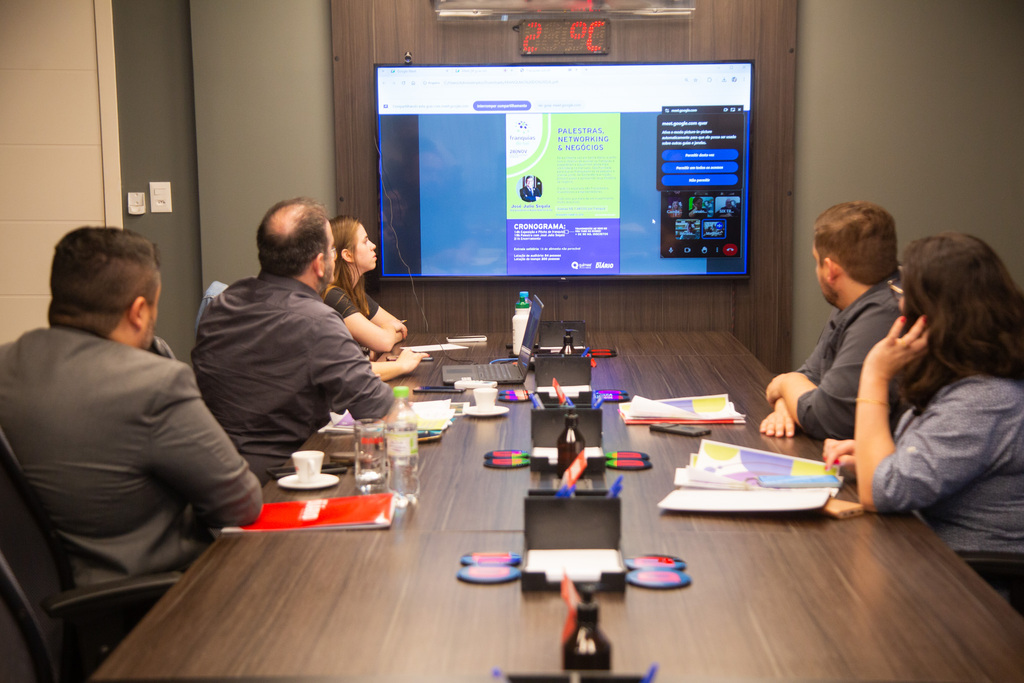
x: 211, y: 293
x: 1004, y: 571
x: 31, y: 548
x: 23, y: 648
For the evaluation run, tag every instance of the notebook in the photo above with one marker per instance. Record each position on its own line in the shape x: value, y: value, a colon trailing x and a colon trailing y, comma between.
x: 502, y: 373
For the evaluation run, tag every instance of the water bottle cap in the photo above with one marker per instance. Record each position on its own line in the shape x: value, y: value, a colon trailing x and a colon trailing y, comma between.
x: 524, y: 295
x: 401, y: 392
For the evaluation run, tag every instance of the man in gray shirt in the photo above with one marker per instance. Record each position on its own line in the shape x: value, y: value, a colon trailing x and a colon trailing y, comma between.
x: 271, y: 358
x: 128, y: 462
x: 855, y: 257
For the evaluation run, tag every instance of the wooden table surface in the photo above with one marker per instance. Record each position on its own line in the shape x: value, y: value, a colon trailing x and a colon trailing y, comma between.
x: 780, y: 596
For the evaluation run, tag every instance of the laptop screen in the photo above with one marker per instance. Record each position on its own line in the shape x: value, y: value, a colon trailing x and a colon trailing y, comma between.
x: 530, y: 333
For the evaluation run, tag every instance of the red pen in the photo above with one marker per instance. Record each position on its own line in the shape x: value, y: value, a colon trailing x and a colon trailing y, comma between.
x: 558, y: 391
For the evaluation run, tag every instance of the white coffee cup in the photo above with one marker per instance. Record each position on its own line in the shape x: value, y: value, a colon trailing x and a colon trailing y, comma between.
x: 485, y: 397
x: 308, y: 464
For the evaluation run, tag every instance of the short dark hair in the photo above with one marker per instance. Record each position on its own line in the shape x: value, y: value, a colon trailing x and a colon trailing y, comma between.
x: 974, y: 313
x: 96, y: 275
x: 859, y: 236
x: 287, y: 249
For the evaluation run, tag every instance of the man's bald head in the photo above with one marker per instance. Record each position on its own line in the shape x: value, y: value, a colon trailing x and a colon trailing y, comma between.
x: 291, y: 235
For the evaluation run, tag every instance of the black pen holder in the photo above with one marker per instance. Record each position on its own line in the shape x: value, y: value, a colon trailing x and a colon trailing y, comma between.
x: 584, y: 399
x: 568, y: 370
x: 547, y: 424
x: 552, y: 333
x: 572, y: 524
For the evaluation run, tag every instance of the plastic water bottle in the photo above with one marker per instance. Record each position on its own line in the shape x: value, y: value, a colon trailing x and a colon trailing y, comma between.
x: 401, y: 437
x: 519, y: 321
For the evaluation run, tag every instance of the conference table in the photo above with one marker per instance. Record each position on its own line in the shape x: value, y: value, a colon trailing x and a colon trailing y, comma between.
x: 778, y: 596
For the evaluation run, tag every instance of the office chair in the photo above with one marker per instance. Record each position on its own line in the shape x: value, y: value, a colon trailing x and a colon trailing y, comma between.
x: 78, y: 626
x: 23, y: 649
x: 211, y: 293
x: 1000, y: 570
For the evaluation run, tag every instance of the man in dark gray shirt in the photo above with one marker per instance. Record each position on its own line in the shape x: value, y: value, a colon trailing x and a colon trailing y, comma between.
x: 271, y: 358
x: 855, y: 257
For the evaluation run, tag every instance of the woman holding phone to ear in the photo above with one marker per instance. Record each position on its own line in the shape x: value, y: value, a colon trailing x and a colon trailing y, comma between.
x: 369, y: 324
x: 957, y: 456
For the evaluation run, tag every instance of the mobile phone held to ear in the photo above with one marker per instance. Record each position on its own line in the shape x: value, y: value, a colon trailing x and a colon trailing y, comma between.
x: 683, y: 430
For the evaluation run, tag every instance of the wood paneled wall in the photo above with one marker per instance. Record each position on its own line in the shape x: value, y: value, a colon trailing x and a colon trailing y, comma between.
x: 757, y: 310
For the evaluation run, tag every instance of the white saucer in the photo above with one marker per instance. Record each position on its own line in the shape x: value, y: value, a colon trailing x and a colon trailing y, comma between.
x: 320, y: 481
x: 493, y: 411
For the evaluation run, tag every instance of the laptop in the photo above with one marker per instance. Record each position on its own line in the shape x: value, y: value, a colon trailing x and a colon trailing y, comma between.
x: 502, y: 373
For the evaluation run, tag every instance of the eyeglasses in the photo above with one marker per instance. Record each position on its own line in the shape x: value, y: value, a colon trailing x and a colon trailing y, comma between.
x: 895, y: 290
x: 334, y: 253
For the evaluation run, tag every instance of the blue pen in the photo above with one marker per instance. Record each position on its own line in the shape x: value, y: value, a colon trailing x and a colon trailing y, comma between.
x: 649, y: 678
x: 566, y: 491
x: 615, y: 489
x: 536, y: 400
x: 585, y: 351
x: 596, y: 402
x: 568, y: 402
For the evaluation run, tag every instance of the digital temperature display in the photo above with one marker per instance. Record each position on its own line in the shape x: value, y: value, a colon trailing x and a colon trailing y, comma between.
x: 542, y: 37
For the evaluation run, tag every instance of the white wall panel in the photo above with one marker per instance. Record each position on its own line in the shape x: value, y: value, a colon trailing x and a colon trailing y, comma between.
x: 26, y: 256
x: 51, y: 154
x: 57, y: 183
x: 51, y: 108
x: 47, y: 34
x: 20, y: 314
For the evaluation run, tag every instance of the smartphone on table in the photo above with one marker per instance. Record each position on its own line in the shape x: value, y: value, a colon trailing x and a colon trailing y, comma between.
x: 683, y: 430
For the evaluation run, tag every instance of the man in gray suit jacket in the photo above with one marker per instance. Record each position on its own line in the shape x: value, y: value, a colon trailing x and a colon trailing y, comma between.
x: 130, y: 464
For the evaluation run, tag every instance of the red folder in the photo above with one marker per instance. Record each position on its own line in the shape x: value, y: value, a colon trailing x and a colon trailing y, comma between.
x: 352, y: 512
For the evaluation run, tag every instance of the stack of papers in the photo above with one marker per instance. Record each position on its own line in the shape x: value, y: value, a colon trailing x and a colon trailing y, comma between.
x: 427, y: 348
x: 551, y: 453
x: 580, y: 565
x: 434, y: 416
x: 339, y: 424
x: 722, y: 477
x: 715, y: 409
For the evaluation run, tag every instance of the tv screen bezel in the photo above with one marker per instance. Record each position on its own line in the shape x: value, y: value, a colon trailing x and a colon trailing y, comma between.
x: 590, y: 277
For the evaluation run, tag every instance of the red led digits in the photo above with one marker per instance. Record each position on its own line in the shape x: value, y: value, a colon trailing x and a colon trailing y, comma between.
x: 590, y: 37
x: 537, y: 29
x: 581, y: 30
x: 559, y: 37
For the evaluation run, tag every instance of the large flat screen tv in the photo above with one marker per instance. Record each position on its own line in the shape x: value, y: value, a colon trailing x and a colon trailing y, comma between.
x: 564, y: 170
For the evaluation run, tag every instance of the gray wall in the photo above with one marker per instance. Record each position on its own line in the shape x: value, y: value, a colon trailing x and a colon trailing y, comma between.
x: 910, y: 103
x: 913, y: 104
x: 264, y: 119
x: 158, y: 143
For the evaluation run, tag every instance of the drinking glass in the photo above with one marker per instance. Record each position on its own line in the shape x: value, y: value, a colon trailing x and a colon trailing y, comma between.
x: 371, y: 462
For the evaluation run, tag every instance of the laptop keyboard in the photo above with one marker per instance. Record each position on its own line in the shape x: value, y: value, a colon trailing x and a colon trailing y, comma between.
x: 498, y: 371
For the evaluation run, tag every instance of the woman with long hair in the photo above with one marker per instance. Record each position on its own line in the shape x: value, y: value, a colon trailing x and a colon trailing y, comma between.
x: 370, y: 325
x: 957, y: 456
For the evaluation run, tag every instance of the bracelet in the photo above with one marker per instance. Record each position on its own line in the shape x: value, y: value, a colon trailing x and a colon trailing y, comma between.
x: 873, y: 401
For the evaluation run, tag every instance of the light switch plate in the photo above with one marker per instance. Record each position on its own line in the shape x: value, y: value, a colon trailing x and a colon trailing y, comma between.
x: 160, y: 197
x: 136, y: 203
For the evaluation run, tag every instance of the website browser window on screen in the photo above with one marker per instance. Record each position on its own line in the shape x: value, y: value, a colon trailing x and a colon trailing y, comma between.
x: 564, y: 170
